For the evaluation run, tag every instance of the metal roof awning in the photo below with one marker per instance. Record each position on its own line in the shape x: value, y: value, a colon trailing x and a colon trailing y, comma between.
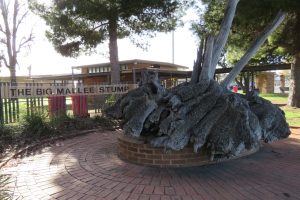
x: 162, y: 73
x: 259, y: 68
x: 80, y: 76
x: 134, y: 61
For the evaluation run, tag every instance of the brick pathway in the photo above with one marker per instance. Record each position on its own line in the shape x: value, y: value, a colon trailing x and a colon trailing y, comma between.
x: 87, y: 167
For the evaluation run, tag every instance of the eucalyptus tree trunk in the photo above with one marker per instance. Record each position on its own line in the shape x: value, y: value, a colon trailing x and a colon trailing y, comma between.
x: 203, y: 113
x: 13, y: 76
x: 294, y: 87
x: 113, y: 51
x: 294, y: 90
x: 224, y: 32
x: 197, y: 65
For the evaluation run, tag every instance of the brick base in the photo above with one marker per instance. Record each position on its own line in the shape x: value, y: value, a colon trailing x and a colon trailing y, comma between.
x: 139, y: 152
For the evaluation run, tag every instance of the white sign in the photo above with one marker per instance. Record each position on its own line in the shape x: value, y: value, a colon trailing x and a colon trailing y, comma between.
x: 68, y: 90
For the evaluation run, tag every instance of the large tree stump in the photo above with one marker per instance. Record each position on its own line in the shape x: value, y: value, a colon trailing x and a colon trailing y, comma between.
x: 205, y: 115
x: 203, y: 112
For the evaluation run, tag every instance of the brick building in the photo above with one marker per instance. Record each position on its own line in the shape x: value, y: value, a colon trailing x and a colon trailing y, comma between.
x: 130, y: 72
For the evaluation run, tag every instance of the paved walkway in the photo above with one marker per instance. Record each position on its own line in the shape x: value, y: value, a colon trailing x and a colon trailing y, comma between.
x: 87, y: 167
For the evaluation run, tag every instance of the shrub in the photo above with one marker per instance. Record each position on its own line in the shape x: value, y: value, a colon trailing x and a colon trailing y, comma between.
x: 9, y: 134
x: 105, y: 122
x: 65, y: 123
x: 36, y: 126
x: 6, y: 132
x: 61, y: 122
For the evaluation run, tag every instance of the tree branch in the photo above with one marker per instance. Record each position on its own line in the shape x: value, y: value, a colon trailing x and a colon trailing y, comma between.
x: 1, y: 29
x: 102, y: 24
x: 3, y: 41
x: 22, y: 44
x: 21, y: 19
x: 198, y: 63
x: 4, y: 11
x: 2, y: 57
x: 205, y: 72
x: 253, y: 49
x: 223, y: 34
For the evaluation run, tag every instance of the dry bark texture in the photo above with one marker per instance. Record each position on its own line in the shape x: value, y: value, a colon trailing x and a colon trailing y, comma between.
x: 204, y: 114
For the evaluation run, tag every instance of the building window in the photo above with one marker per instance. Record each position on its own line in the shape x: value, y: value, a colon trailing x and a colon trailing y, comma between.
x: 106, y: 69
x: 124, y: 67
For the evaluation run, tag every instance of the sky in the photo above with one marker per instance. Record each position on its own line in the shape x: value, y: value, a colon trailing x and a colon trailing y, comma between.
x: 44, y: 60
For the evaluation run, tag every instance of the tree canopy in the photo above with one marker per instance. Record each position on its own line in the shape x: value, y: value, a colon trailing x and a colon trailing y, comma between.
x: 78, y: 26
x: 251, y: 17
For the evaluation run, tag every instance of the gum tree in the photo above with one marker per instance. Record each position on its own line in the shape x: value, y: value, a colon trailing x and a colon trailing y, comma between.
x: 78, y: 26
x: 12, y: 40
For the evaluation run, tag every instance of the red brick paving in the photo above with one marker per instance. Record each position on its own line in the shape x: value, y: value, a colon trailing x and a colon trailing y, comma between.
x: 87, y: 167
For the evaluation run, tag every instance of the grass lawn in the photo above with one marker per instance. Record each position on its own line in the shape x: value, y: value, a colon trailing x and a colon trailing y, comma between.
x: 276, y: 98
x: 292, y: 114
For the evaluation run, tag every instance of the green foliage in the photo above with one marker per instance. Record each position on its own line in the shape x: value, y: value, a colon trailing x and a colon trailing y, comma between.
x: 59, y: 122
x: 36, y: 126
x: 66, y: 123
x: 5, y: 132
x: 110, y: 100
x: 5, y: 194
x: 76, y: 123
x: 214, y: 18
x: 8, y: 135
x: 79, y: 26
x: 105, y: 122
x: 251, y: 18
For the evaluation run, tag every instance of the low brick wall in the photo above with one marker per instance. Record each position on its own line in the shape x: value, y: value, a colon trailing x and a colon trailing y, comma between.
x: 138, y: 152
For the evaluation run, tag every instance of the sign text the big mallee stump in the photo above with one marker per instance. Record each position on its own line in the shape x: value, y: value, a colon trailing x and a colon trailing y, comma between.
x: 43, y: 91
